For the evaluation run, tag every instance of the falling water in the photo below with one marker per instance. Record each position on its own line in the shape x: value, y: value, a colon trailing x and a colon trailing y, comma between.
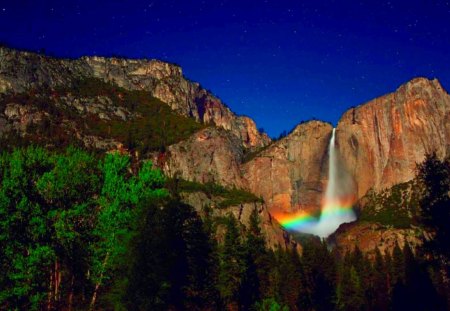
x: 337, y: 203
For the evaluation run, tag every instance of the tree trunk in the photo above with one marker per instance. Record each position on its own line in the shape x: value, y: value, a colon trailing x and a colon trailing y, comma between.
x: 97, y: 285
x: 50, y: 291
x: 70, y: 299
x: 57, y: 280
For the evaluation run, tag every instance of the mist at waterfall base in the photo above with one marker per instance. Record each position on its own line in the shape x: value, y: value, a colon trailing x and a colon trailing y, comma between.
x: 336, y: 204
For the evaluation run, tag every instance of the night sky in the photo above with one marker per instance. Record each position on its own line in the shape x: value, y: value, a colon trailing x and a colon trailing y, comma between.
x: 279, y: 62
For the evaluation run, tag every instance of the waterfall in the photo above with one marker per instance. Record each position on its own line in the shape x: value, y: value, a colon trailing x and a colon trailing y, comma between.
x: 337, y: 203
x: 332, y: 168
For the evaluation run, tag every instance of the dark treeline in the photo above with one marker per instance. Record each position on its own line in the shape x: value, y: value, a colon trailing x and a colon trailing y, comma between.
x: 79, y: 232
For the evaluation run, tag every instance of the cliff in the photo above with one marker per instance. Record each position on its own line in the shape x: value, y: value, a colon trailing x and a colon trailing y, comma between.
x: 382, y: 140
x: 290, y: 174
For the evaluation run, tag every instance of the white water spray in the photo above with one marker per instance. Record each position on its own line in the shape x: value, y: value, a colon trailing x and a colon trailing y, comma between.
x: 336, y: 207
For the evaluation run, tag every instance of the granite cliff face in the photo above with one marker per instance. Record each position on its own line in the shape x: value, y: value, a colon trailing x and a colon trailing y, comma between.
x: 21, y: 71
x: 210, y: 155
x: 382, y: 140
x: 290, y: 174
x: 379, y: 143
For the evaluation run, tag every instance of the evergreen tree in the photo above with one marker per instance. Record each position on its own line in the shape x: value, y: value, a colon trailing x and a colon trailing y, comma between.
x: 380, y: 283
x: 255, y: 277
x: 397, y: 265
x: 434, y: 174
x: 320, y: 276
x: 231, y: 264
x: 289, y: 285
x: 349, y: 290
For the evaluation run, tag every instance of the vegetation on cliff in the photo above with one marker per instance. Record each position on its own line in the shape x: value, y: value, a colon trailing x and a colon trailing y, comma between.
x: 133, y: 117
x: 226, y: 196
x: 397, y: 206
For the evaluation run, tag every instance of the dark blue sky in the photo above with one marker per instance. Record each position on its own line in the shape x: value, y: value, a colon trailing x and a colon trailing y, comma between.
x: 279, y: 61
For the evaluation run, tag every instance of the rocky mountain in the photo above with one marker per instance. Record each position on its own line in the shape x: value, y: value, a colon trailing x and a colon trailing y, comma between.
x: 23, y: 71
x: 149, y: 106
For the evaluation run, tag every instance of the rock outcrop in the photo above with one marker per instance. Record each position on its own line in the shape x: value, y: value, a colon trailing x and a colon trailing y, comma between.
x: 210, y: 155
x: 370, y: 236
x: 379, y: 142
x: 382, y: 140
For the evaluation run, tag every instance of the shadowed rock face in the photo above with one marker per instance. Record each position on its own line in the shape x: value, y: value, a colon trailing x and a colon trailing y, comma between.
x: 290, y: 174
x: 382, y: 141
x: 210, y: 155
x: 21, y: 71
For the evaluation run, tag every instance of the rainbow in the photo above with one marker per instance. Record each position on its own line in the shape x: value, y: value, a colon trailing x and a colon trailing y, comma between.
x: 301, y: 221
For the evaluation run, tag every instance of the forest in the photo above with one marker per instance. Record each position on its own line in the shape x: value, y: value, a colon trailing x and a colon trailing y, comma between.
x: 82, y: 231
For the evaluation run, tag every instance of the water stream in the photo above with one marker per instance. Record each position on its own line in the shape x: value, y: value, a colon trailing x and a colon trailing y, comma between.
x: 337, y: 202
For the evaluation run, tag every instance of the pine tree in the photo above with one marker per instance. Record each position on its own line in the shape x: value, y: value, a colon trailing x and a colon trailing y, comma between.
x: 397, y: 268
x: 255, y: 277
x: 320, y: 276
x: 380, y: 283
x: 232, y: 264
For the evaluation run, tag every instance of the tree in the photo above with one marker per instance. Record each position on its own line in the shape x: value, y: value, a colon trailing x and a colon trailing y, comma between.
x: 380, y: 283
x: 25, y: 253
x: 397, y: 265
x: 350, y: 294
x: 231, y: 264
x: 319, y: 275
x: 256, y: 279
x: 434, y: 175
x: 118, y: 195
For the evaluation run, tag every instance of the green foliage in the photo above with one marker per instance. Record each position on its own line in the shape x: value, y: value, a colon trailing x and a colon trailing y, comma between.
x: 64, y: 218
x: 231, y: 264
x: 434, y: 175
x: 156, y: 127
x: 79, y: 232
x: 319, y: 276
x: 152, y: 126
x: 270, y: 304
x: 178, y: 276
x: 230, y: 196
x: 397, y: 206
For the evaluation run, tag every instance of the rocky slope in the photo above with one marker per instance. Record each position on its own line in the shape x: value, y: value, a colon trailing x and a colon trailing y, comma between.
x: 22, y: 71
x: 274, y: 233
